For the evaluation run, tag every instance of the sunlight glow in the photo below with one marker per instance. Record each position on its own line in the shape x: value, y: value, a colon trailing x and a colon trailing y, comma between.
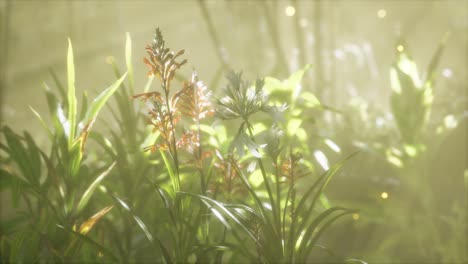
x: 355, y: 216
x: 332, y: 145
x: 321, y: 159
x: 447, y: 73
x: 382, y: 13
x: 400, y: 48
x: 267, y: 206
x: 450, y: 121
x: 290, y: 11
x: 384, y: 195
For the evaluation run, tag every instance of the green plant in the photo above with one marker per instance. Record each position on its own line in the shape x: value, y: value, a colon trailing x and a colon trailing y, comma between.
x: 183, y: 189
x: 281, y: 223
x: 56, y: 187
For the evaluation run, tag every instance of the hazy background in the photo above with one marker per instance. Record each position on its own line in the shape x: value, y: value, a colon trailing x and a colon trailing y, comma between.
x: 349, y: 43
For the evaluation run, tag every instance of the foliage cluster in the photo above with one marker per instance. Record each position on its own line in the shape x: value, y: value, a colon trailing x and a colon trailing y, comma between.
x: 184, y: 188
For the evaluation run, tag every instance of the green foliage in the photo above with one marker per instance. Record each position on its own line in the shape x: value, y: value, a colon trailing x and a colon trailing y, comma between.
x: 412, y: 96
x: 54, y: 188
x: 185, y: 178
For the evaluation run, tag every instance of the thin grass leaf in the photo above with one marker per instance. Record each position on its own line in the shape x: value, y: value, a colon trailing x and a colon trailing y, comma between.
x: 59, y: 85
x: 71, y: 96
x: 84, y: 105
x: 104, y: 143
x: 43, y: 124
x: 323, y: 180
x: 431, y: 69
x: 90, y: 191
x: 309, y: 232
x: 52, y: 100
x: 174, y: 178
x: 92, y: 243
x: 139, y: 222
x: 165, y: 253
x: 353, y: 260
x: 221, y: 212
x: 314, y: 240
x: 100, y: 100
x: 167, y: 201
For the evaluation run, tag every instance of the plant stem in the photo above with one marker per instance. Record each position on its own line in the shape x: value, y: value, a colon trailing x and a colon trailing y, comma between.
x: 276, y: 215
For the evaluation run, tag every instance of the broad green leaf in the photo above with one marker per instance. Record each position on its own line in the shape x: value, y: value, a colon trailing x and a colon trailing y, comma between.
x: 310, y: 100
x: 34, y: 157
x: 71, y: 96
x: 294, y: 81
x: 90, y: 191
x: 100, y: 101
x: 19, y: 155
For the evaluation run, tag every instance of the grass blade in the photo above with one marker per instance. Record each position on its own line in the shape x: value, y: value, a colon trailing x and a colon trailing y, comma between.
x: 89, y: 192
x: 311, y: 244
x: 71, y: 96
x: 100, y: 100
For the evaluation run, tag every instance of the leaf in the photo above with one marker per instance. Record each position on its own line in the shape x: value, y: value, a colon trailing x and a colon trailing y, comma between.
x: 19, y: 154
x: 34, y: 157
x: 140, y: 223
x: 319, y: 185
x: 311, y: 228
x: 59, y: 85
x: 174, y: 178
x: 100, y: 100
x: 89, y: 224
x: 91, y: 242
x: 324, y: 227
x: 71, y: 97
x: 243, y: 140
x: 41, y: 120
x: 89, y: 192
x: 223, y: 214
x: 293, y: 82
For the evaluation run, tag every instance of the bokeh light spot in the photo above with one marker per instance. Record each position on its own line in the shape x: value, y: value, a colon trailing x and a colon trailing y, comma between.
x: 384, y: 195
x: 290, y: 11
x: 356, y: 216
x: 382, y: 13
